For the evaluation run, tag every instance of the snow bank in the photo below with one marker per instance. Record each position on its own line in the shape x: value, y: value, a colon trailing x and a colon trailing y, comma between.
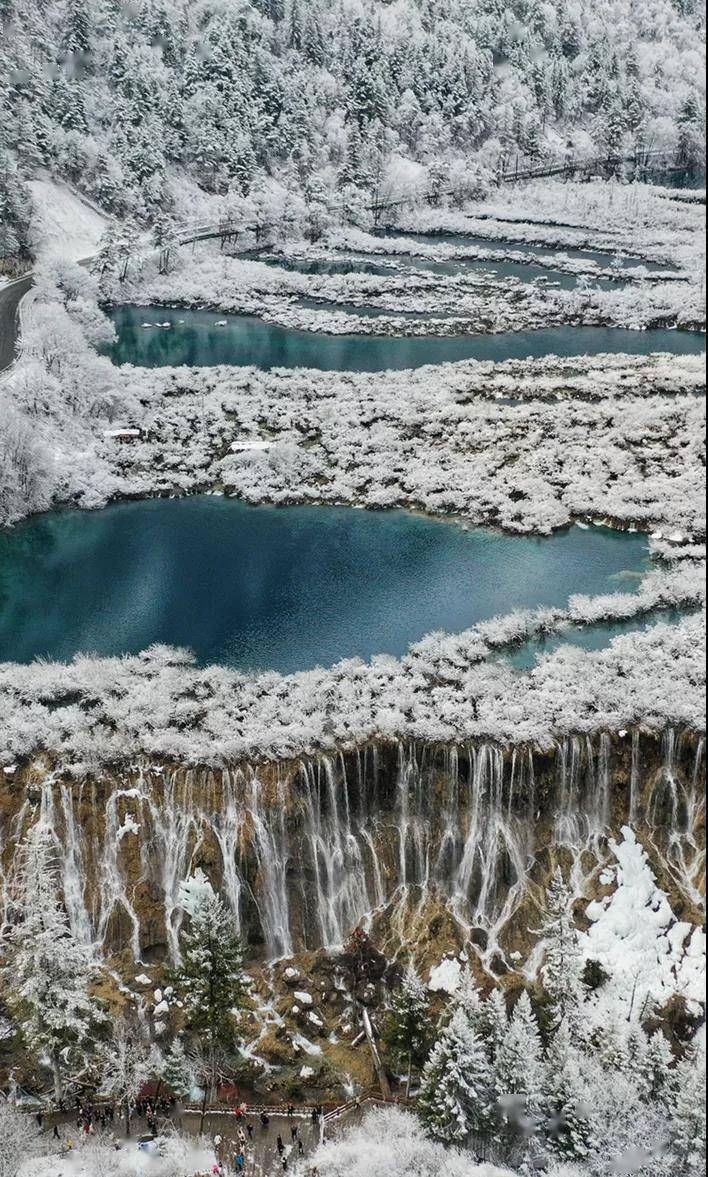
x: 392, y: 1143
x: 96, y: 1159
x: 649, y: 954
x: 445, y: 977
x: 65, y: 226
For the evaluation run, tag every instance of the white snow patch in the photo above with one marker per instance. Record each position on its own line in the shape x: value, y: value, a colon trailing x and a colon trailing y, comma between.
x: 445, y: 977
x: 648, y: 954
x: 64, y: 225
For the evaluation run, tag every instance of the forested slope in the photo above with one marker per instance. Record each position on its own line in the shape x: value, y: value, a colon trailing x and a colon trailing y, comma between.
x: 338, y: 100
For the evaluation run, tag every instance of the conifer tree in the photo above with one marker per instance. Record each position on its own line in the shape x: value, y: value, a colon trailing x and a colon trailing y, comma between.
x: 492, y: 1022
x: 210, y: 977
x: 562, y: 967
x: 656, y: 1069
x: 176, y: 1071
x: 456, y: 1097
x: 687, y: 1147
x: 519, y: 1068
x: 566, y: 1127
x: 49, y: 974
x: 469, y: 998
x: 407, y: 1031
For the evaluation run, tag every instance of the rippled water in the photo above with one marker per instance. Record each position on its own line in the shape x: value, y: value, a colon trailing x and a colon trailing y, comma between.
x: 283, y: 588
x: 206, y: 338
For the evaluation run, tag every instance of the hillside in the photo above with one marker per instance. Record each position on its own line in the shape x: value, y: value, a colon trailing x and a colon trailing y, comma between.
x: 145, y: 105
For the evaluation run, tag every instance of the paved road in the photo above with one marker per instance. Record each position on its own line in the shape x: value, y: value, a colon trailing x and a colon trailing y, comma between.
x: 262, y: 1155
x: 261, y: 1152
x: 10, y: 296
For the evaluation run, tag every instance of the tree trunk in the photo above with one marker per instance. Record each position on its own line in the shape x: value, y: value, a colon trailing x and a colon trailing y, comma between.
x: 127, y: 1117
x: 409, y: 1076
x: 56, y: 1073
x: 203, y: 1110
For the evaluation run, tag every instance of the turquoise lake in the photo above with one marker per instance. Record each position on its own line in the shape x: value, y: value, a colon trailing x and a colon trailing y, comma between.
x: 193, y: 338
x: 282, y: 588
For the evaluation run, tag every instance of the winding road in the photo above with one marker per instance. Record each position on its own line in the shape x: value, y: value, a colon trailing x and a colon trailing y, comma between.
x: 10, y: 297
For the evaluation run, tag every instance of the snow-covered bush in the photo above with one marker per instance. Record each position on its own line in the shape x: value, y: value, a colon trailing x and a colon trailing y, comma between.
x: 392, y: 1143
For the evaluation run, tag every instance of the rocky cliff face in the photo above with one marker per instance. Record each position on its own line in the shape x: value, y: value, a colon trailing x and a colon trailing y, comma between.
x: 432, y: 846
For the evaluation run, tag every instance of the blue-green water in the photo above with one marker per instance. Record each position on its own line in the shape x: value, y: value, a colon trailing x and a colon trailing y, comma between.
x: 463, y: 240
x: 283, y: 588
x: 193, y: 338
x: 523, y: 271
x: 587, y: 637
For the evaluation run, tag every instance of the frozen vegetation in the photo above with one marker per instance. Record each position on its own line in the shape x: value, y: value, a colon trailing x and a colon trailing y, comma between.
x: 97, y: 712
x: 454, y: 304
x: 529, y: 446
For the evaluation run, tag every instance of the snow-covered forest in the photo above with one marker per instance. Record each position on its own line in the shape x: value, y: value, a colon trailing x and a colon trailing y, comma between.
x: 336, y: 105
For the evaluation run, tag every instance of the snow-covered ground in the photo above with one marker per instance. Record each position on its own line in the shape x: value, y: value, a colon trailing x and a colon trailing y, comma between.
x: 65, y: 225
x: 94, y: 1158
x: 647, y: 953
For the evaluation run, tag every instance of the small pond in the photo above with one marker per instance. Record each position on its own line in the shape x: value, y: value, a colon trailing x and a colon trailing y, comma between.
x: 206, y: 338
x: 280, y: 588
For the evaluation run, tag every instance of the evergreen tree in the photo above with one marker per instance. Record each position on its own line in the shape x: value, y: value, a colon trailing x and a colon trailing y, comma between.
x: 519, y: 1068
x: 77, y: 35
x: 492, y: 1022
x: 407, y: 1031
x: 567, y: 1129
x: 469, y: 998
x: 49, y: 973
x: 176, y: 1071
x: 687, y: 1148
x: 691, y: 151
x: 456, y: 1098
x: 561, y: 971
x: 210, y: 977
x: 656, y: 1070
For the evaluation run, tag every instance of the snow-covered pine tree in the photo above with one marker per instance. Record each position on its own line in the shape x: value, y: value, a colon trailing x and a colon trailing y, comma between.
x: 456, y: 1099
x: 493, y: 1022
x: 561, y: 971
x: 124, y: 1063
x: 210, y: 978
x: 656, y: 1071
x: 687, y: 1146
x: 408, y: 1028
x: 519, y: 1070
x: 176, y: 1071
x: 48, y: 975
x: 469, y: 998
x: 566, y: 1128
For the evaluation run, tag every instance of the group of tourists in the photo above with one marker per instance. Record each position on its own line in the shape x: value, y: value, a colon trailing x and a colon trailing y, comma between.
x: 239, y: 1156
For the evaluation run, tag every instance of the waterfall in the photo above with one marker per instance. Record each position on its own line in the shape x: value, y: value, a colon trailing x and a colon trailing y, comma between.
x: 341, y: 891
x: 387, y: 834
x: 272, y: 854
